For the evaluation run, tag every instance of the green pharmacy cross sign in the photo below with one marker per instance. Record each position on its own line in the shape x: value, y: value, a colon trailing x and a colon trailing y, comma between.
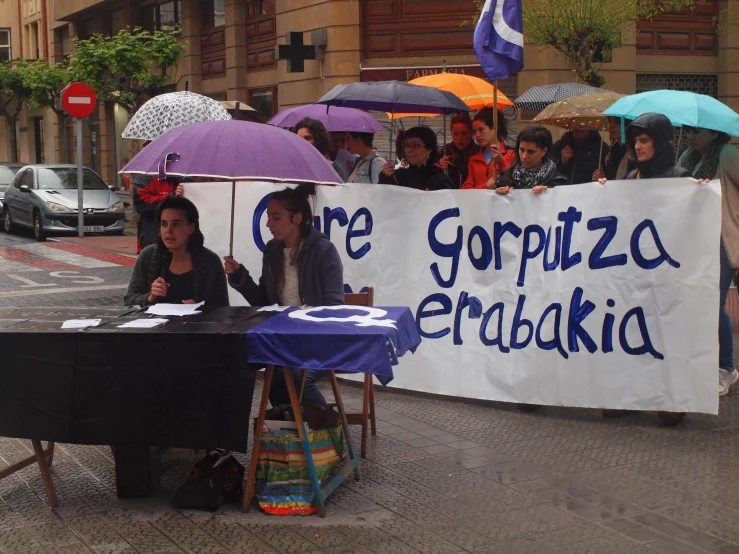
x: 295, y: 52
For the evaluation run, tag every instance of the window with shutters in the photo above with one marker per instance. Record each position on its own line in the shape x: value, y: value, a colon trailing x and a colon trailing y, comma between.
x: 162, y: 15
x: 260, y: 34
x: 688, y: 32
x: 213, y: 38
x: 417, y: 27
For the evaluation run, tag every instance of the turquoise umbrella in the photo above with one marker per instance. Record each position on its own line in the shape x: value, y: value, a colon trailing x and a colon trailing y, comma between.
x: 681, y: 107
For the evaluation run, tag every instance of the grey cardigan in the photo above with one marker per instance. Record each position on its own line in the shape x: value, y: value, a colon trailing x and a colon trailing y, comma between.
x: 320, y: 274
x: 209, y: 277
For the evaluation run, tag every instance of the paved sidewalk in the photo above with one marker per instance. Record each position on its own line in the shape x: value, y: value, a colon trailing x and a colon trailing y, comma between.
x: 441, y: 476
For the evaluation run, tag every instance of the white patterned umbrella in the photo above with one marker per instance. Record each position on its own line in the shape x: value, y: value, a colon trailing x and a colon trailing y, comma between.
x: 169, y: 111
x: 539, y: 97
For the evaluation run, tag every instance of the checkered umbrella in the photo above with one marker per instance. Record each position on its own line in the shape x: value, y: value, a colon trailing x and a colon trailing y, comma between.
x: 169, y: 111
x: 539, y: 97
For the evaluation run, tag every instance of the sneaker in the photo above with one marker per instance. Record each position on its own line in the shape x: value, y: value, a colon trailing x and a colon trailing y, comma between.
x: 725, y: 380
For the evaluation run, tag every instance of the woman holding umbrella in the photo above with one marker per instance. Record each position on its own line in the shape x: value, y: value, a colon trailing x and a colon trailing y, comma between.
x: 423, y: 171
x: 709, y: 156
x: 300, y: 267
x: 492, y: 150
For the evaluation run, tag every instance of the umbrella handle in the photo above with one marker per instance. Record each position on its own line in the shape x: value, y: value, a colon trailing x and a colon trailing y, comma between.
x: 171, y: 157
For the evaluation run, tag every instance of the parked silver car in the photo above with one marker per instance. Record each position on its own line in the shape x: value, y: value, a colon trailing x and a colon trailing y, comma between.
x: 7, y: 174
x: 43, y: 198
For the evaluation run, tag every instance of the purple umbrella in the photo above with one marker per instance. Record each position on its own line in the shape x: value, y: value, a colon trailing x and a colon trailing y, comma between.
x: 337, y: 119
x: 235, y: 151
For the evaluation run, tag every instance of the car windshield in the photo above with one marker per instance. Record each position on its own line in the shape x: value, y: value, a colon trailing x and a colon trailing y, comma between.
x: 7, y: 174
x: 50, y: 178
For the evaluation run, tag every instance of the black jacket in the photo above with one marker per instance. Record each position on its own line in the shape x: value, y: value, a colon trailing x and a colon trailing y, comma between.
x: 585, y: 160
x: 662, y: 163
x: 320, y: 274
x: 210, y: 279
x: 429, y: 176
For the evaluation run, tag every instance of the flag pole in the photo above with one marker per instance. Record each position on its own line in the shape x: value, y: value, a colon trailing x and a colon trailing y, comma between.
x: 495, y: 125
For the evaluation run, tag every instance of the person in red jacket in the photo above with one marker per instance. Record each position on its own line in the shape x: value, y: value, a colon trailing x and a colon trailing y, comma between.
x: 492, y: 154
x: 148, y: 193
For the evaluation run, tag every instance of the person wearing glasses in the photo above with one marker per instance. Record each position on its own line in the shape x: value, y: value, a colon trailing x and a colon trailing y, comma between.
x: 423, y: 171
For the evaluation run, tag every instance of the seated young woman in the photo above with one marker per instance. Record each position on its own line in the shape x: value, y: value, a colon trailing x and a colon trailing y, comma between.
x: 177, y: 268
x: 532, y: 168
x: 300, y: 266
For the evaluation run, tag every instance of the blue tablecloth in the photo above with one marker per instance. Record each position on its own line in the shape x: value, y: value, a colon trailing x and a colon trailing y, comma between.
x: 339, y: 338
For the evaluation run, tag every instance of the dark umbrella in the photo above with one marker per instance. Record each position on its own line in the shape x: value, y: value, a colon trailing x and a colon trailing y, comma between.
x: 235, y: 151
x: 394, y: 96
x: 539, y: 97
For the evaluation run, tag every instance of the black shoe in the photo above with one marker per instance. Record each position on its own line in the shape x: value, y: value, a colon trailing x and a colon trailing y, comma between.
x: 616, y: 413
x: 671, y: 418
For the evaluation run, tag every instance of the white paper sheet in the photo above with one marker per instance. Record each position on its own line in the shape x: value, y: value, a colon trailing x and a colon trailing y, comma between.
x: 144, y: 323
x: 174, y: 309
x: 80, y: 323
x: 273, y: 308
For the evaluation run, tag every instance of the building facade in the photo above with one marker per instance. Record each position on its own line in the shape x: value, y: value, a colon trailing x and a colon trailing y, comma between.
x: 231, y: 55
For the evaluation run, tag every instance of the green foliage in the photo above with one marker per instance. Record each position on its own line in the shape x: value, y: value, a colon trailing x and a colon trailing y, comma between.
x: 45, y: 83
x: 13, y: 93
x: 128, y: 68
x: 587, y: 31
x: 479, y: 4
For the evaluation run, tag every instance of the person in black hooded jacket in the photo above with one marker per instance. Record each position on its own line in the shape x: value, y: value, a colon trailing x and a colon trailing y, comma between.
x: 649, y: 139
x: 423, y: 171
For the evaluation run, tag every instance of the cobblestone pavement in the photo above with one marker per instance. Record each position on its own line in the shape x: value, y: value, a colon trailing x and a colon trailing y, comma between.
x: 442, y: 476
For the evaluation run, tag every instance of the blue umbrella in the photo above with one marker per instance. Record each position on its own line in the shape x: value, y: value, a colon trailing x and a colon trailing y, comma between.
x: 394, y: 96
x: 681, y: 107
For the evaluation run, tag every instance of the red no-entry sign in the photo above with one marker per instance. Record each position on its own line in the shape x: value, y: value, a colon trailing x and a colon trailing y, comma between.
x: 78, y: 100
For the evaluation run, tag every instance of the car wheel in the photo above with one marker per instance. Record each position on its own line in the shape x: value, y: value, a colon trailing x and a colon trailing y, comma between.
x: 38, y: 230
x: 7, y: 222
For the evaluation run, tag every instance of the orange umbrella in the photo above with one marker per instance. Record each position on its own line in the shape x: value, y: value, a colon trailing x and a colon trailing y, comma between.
x: 474, y: 92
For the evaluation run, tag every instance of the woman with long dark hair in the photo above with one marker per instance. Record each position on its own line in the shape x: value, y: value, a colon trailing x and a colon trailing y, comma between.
x: 423, y: 171
x: 493, y: 157
x: 532, y: 167
x: 177, y: 268
x: 709, y: 156
x: 300, y: 266
x: 457, y: 153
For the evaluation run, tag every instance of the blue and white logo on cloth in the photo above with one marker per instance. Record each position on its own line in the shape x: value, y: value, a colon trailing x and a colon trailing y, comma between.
x: 370, y: 319
x: 498, y: 38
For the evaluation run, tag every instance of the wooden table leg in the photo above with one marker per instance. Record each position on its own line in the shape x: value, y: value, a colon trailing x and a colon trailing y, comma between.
x: 345, y: 424
x: 251, y: 478
x: 303, y: 435
x: 25, y: 462
x: 49, y: 453
x: 365, y: 412
x: 45, y: 473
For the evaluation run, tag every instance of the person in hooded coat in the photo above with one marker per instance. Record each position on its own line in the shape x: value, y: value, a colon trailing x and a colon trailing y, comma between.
x: 578, y: 154
x: 649, y: 140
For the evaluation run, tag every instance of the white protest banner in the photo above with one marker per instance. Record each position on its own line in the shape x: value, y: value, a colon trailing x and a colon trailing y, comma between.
x: 587, y: 295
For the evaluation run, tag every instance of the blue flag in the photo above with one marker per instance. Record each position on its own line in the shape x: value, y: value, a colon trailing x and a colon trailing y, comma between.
x: 346, y: 338
x: 499, y: 38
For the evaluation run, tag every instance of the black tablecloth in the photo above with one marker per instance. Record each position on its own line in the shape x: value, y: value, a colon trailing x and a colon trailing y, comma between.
x: 185, y: 384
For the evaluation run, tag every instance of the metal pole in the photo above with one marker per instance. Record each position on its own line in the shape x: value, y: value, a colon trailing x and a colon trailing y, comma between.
x: 80, y: 211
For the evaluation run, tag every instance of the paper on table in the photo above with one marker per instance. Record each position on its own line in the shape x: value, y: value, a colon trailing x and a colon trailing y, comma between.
x: 174, y: 309
x: 144, y: 323
x: 80, y: 323
x: 273, y: 308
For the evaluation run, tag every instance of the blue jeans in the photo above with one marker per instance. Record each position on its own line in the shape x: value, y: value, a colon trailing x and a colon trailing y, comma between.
x: 725, y: 333
x: 311, y: 395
